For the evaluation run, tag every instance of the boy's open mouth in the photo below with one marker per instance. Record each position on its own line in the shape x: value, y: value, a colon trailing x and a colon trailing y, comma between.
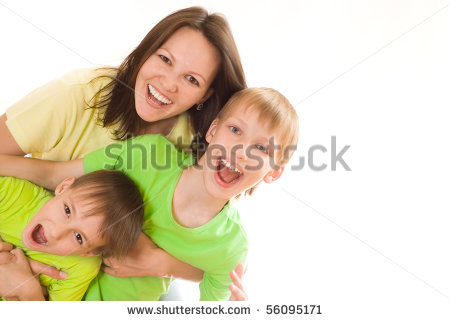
x: 228, y: 173
x: 156, y: 98
x: 38, y: 235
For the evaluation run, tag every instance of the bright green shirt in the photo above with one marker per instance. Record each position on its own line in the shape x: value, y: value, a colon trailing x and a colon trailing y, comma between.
x: 215, y: 247
x: 19, y: 201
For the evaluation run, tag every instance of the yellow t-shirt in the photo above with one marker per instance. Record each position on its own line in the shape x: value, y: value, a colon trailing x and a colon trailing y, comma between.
x: 54, y: 121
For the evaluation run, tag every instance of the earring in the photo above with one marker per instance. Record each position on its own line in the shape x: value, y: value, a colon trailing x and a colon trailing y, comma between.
x: 199, y: 106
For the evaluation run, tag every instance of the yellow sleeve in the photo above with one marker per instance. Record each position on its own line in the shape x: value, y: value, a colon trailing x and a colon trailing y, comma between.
x: 54, y: 121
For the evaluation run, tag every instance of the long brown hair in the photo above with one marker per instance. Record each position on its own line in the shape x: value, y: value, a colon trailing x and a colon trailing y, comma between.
x: 118, y: 95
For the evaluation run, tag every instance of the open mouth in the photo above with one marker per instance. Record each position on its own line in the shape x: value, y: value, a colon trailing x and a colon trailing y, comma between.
x: 228, y: 173
x: 156, y: 98
x: 38, y: 235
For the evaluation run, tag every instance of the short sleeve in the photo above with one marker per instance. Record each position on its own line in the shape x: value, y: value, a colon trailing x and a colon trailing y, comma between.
x: 107, y: 157
x: 214, y: 286
x: 38, y: 121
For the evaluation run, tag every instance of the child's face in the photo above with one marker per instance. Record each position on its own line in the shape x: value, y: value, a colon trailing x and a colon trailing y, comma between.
x: 239, y: 154
x: 62, y: 227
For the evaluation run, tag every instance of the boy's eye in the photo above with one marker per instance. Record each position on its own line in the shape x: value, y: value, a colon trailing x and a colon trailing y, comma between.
x: 79, y: 238
x: 235, y: 130
x: 165, y: 59
x: 261, y: 148
x: 192, y: 80
x: 67, y: 210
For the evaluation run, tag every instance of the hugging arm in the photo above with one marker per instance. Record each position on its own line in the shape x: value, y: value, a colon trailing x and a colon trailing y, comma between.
x: 41, y: 172
x: 147, y: 259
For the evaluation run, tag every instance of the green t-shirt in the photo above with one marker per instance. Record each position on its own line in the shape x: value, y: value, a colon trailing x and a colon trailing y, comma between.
x: 19, y: 201
x: 215, y: 247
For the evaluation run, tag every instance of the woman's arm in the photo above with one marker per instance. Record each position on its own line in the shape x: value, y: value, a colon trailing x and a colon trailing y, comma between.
x: 8, y: 144
x: 146, y: 259
x: 41, y: 172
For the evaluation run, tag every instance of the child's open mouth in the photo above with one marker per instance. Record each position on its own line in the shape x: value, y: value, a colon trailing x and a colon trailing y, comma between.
x: 227, y: 173
x: 156, y: 98
x: 38, y: 235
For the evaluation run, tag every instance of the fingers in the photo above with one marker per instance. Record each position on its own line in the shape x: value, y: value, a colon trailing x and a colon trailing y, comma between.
x: 41, y: 268
x: 109, y: 271
x: 237, y: 281
x: 237, y: 294
x: 110, y: 262
x: 6, y: 257
x: 5, y: 246
x: 239, y: 270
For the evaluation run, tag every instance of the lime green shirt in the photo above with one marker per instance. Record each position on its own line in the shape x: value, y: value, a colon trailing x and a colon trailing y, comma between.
x: 215, y: 247
x: 54, y: 122
x: 19, y: 201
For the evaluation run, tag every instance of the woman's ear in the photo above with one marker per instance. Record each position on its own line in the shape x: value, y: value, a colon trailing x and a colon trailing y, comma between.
x: 206, y: 96
x: 65, y: 184
x: 273, y: 175
x: 212, y: 130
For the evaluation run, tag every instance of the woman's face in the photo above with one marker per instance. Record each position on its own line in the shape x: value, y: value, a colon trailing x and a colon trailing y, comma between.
x: 177, y: 76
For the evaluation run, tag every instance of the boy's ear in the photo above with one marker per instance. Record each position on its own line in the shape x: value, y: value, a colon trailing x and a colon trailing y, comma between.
x: 272, y: 176
x: 65, y: 184
x: 212, y: 130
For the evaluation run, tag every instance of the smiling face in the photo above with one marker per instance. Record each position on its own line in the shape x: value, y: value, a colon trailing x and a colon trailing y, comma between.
x: 61, y: 226
x: 177, y: 76
x: 239, y: 155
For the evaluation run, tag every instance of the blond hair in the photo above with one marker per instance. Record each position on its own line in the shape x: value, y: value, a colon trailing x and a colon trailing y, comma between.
x: 275, y: 110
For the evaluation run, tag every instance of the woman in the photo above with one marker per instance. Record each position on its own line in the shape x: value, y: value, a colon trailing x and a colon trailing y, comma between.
x: 174, y: 83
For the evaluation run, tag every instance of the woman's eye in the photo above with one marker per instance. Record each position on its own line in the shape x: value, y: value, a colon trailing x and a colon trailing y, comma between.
x: 192, y: 80
x: 165, y: 59
x: 67, y: 210
x: 79, y: 238
x: 235, y: 130
x: 261, y: 148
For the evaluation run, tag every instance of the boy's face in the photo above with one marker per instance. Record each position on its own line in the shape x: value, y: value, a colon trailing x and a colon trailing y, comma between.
x: 240, y: 153
x: 61, y: 226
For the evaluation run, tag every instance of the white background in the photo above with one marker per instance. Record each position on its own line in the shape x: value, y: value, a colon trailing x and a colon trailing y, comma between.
x: 367, y: 244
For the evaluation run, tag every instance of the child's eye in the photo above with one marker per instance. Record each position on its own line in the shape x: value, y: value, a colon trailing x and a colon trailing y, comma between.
x: 165, y: 59
x: 261, y: 148
x: 235, y: 130
x: 192, y: 80
x: 79, y: 238
x: 67, y: 210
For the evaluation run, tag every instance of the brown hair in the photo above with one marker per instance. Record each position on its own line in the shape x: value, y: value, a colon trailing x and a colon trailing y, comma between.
x: 115, y: 196
x: 274, y: 109
x: 118, y: 95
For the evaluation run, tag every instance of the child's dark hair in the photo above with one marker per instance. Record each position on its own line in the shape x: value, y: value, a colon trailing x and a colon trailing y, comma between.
x: 115, y: 196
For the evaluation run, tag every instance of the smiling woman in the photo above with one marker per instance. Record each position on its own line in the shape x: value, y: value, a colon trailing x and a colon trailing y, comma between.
x: 174, y: 83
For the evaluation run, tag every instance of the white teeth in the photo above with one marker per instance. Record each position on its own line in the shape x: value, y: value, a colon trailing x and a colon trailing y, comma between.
x: 158, y: 96
x: 227, y: 164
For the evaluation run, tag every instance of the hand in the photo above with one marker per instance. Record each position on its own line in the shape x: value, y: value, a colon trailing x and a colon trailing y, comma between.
x: 147, y: 259
x: 36, y: 267
x: 17, y: 281
x: 237, y: 289
x: 140, y: 261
